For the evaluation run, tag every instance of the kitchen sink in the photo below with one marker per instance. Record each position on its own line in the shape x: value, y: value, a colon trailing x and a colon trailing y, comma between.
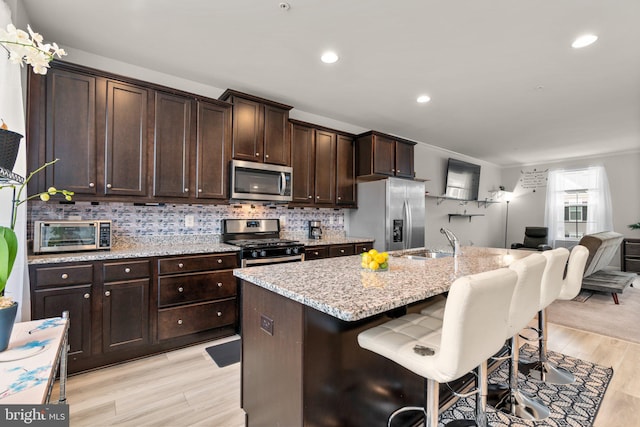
x: 423, y: 255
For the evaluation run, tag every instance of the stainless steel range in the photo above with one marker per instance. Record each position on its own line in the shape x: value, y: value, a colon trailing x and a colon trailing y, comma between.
x: 260, y: 242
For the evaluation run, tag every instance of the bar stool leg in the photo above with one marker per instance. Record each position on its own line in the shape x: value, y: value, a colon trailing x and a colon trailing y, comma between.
x: 516, y: 402
x: 542, y: 370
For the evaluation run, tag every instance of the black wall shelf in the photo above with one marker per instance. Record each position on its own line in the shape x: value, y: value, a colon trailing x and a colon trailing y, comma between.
x: 464, y: 216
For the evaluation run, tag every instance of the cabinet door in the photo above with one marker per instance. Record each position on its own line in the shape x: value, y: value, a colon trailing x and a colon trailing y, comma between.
x: 172, y: 145
x: 125, y: 315
x: 126, y: 140
x: 247, y: 130
x: 404, y: 159
x: 303, y: 163
x: 77, y: 301
x: 325, y: 167
x: 383, y: 155
x: 71, y: 131
x: 212, y: 148
x: 277, y: 144
x: 345, y: 172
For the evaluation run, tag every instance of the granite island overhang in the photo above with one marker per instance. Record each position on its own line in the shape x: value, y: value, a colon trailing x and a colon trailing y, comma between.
x: 301, y: 363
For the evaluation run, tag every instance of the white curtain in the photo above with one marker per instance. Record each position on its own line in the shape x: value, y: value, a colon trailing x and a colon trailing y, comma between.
x: 12, y: 112
x: 593, y: 179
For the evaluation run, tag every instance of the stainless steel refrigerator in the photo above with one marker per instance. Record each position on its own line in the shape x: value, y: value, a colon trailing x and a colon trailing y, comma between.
x: 391, y: 211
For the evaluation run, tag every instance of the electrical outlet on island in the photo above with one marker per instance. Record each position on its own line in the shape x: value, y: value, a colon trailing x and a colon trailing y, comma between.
x: 189, y: 221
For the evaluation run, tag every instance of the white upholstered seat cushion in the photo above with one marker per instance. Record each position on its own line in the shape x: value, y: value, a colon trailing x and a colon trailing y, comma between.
x: 553, y: 276
x: 526, y: 296
x: 572, y: 282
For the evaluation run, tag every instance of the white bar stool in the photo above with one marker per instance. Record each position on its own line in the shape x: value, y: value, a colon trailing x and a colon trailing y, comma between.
x: 555, y: 286
x: 473, y: 328
x: 524, y: 306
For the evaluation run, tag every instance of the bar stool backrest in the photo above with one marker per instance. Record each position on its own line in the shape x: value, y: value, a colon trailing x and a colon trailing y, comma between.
x: 526, y: 296
x: 475, y: 321
x: 553, y: 276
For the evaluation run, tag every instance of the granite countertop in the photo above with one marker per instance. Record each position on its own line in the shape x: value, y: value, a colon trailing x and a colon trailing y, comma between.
x: 341, y: 288
x: 166, y: 247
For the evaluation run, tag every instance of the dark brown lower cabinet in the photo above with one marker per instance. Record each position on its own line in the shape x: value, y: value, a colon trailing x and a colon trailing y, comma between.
x: 117, y: 313
x: 52, y: 301
x: 330, y: 251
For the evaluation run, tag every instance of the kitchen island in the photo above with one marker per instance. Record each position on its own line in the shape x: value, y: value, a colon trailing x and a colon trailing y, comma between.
x: 301, y: 363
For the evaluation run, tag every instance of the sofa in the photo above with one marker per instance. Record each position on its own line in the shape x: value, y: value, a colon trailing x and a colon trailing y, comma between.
x: 602, y: 248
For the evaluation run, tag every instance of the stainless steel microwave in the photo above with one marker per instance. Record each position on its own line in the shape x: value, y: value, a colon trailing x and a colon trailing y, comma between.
x: 71, y: 236
x: 260, y: 181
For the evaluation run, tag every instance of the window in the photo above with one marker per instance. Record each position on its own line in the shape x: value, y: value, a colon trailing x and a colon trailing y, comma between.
x: 578, y: 203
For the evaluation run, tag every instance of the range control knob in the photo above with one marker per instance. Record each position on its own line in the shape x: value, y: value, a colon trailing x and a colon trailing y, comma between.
x: 296, y: 250
x: 288, y: 251
x: 254, y: 254
x: 263, y: 253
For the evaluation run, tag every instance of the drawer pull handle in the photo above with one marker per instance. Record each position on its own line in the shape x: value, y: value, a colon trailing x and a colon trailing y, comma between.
x: 108, y: 185
x: 180, y: 289
x: 186, y: 190
x: 91, y: 184
x: 219, y: 284
x: 127, y: 270
x: 219, y: 261
x: 179, y: 321
x: 219, y: 314
x: 180, y: 265
x: 310, y: 197
x: 316, y: 253
x: 107, y: 293
x: 341, y: 251
x: 65, y: 276
x: 87, y: 295
x: 257, y: 154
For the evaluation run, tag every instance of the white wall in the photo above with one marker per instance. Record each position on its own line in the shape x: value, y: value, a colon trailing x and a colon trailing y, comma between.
x: 487, y: 230
x: 623, y: 172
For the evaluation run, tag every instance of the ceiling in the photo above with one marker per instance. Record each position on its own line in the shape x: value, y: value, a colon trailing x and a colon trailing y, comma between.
x: 505, y: 85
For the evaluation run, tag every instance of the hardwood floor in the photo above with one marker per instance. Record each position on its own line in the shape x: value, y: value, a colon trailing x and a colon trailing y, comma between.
x: 185, y: 387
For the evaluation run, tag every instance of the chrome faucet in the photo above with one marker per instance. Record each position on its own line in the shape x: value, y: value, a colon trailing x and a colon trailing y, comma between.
x: 453, y: 240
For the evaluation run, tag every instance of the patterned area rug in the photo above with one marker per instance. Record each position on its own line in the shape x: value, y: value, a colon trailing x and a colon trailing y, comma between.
x: 571, y: 405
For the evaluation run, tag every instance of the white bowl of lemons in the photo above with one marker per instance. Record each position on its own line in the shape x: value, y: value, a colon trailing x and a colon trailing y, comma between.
x: 375, y: 261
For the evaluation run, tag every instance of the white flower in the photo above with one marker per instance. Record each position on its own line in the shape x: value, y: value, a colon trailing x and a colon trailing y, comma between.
x: 29, y: 48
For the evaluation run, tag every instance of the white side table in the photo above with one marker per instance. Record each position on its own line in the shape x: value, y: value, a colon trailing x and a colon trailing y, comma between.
x: 29, y: 365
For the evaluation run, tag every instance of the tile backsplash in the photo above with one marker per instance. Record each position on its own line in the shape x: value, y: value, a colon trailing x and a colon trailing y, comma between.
x: 133, y: 222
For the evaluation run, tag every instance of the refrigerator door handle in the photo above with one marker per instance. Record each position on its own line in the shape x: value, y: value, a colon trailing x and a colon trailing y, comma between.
x: 407, y: 225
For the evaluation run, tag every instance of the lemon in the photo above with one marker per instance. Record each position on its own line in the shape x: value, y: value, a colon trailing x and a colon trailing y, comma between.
x: 379, y: 258
x: 374, y: 265
x: 364, y: 264
x: 373, y: 252
x: 385, y: 255
x: 366, y: 258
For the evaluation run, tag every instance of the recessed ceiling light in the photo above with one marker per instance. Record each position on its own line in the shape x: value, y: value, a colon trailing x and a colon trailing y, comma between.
x: 423, y: 99
x: 329, y: 57
x: 584, y: 41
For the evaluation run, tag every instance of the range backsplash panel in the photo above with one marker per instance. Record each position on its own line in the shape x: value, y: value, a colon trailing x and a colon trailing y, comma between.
x: 137, y: 223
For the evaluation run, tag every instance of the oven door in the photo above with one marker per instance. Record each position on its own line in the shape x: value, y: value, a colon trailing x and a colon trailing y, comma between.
x: 248, y: 262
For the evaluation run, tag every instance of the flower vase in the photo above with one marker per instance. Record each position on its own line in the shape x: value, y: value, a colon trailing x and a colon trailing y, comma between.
x: 9, y: 145
x: 7, y: 319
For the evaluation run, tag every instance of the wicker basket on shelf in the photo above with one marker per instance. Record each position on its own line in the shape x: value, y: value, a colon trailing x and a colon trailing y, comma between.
x: 9, y: 145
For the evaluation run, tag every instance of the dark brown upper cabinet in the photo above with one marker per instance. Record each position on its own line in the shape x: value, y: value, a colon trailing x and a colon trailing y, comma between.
x: 122, y: 139
x: 172, y: 145
x: 345, y: 171
x: 260, y: 129
x: 213, y: 150
x: 323, y: 166
x: 379, y: 155
x: 69, y: 131
x: 303, y: 157
x: 126, y: 140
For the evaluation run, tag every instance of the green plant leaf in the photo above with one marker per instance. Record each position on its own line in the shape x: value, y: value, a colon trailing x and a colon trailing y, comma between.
x: 8, y: 252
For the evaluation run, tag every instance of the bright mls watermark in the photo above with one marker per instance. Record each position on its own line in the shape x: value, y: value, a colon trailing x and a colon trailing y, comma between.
x: 34, y: 415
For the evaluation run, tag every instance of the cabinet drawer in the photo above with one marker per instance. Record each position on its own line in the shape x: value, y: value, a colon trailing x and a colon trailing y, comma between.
x: 197, y: 263
x: 316, y: 252
x: 124, y: 270
x: 362, y: 247
x: 341, y: 250
x: 190, y: 288
x: 64, y: 275
x: 632, y: 265
x: 632, y: 249
x: 185, y: 320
